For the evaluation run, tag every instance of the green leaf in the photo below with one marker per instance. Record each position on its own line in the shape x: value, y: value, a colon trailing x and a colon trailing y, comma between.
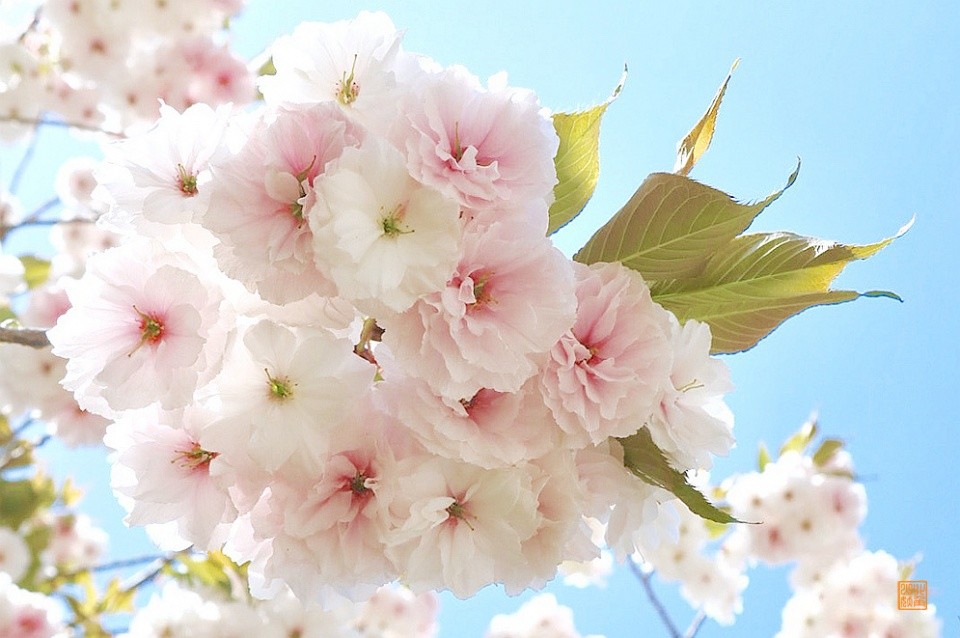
x: 763, y: 456
x: 35, y: 270
x: 692, y: 147
x: 826, y: 451
x: 6, y: 313
x: 799, y: 441
x: 757, y: 281
x: 577, y: 160
x: 672, y: 226
x: 19, y: 501
x: 6, y: 433
x: 647, y: 461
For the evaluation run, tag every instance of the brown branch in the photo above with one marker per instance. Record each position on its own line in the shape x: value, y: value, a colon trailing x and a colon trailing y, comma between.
x: 61, y: 123
x: 695, y: 625
x: 29, y: 337
x: 652, y: 596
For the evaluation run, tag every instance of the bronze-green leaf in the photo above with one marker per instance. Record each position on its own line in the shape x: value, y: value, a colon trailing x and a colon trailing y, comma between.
x: 672, y: 226
x: 692, y: 147
x: 647, y: 461
x: 577, y: 160
x: 757, y: 281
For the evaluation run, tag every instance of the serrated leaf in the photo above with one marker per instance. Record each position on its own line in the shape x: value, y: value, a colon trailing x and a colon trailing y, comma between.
x: 645, y: 460
x: 826, y: 451
x: 757, y: 281
x: 800, y: 439
x: 577, y: 160
x: 36, y: 271
x: 692, y: 147
x: 672, y: 226
x: 763, y: 456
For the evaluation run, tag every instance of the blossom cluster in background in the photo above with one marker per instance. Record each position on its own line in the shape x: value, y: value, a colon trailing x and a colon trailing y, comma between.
x: 102, y: 64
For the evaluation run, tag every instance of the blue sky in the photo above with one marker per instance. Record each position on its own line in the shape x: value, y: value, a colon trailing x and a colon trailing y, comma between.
x: 866, y: 95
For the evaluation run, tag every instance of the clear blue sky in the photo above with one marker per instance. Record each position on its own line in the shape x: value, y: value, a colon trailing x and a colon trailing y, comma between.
x: 867, y: 95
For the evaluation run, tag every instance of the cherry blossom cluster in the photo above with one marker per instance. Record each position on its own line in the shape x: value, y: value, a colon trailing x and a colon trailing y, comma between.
x: 74, y: 543
x: 103, y: 64
x: 336, y: 341
x: 803, y: 509
x: 856, y: 598
x: 177, y: 612
x: 540, y: 617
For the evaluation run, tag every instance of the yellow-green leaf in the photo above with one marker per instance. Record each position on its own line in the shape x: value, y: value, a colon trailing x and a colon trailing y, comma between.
x: 646, y: 461
x: 577, y: 160
x: 763, y: 456
x: 800, y: 439
x: 715, y: 529
x: 672, y: 226
x: 70, y: 494
x: 6, y: 313
x: 825, y: 452
x: 757, y: 281
x: 35, y: 270
x: 692, y: 147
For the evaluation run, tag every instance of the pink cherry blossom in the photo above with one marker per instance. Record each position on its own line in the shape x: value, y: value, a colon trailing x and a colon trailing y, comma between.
x: 137, y: 331
x: 162, y: 474
x: 604, y: 376
x: 257, y: 205
x: 458, y: 527
x: 484, y: 147
x: 509, y: 301
x: 693, y: 422
x: 325, y: 527
x: 351, y: 64
x: 383, y: 238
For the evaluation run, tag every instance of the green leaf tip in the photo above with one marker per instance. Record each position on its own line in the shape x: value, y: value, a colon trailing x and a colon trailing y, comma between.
x: 696, y: 142
x: 647, y: 462
x: 578, y: 159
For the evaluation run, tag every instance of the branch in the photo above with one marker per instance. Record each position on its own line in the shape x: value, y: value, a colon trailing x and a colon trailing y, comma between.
x: 40, y: 121
x: 24, y: 161
x: 695, y: 625
x: 30, y: 337
x: 657, y: 605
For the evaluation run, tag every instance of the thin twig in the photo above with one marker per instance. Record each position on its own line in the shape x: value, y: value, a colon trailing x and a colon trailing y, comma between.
x: 695, y: 625
x: 41, y: 209
x: 657, y: 605
x: 24, y: 161
x: 20, y: 429
x: 39, y: 121
x: 127, y: 562
x: 30, y: 337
